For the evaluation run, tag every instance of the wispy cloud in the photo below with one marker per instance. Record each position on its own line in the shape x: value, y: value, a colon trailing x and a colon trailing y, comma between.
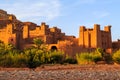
x: 100, y: 14
x: 29, y: 9
x: 87, y: 1
x: 78, y: 2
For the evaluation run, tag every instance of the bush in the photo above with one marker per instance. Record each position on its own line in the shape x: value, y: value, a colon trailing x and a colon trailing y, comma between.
x: 83, y: 58
x: 6, y: 60
x: 70, y: 60
x: 56, y: 57
x: 36, y: 57
x: 33, y: 57
x: 116, y: 57
x: 96, y: 56
x: 88, y: 58
x: 13, y: 60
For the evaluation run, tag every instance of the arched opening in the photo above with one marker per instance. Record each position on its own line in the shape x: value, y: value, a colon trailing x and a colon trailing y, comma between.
x: 53, y: 48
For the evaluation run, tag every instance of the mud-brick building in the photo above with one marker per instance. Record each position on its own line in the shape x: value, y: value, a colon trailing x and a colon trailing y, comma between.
x: 51, y: 36
x: 116, y: 44
x: 21, y: 34
x: 10, y: 29
x: 94, y: 38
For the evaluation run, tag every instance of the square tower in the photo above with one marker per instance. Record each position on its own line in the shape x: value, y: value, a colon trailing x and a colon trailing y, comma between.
x: 95, y: 38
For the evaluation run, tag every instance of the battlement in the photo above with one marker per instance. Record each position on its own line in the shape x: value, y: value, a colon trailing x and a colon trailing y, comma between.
x: 93, y: 38
x: 96, y: 27
x: 82, y: 28
x: 89, y: 29
x: 55, y: 29
x: 107, y: 28
x: 44, y: 26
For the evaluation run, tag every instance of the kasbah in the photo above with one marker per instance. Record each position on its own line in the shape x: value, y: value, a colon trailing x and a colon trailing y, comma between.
x: 21, y: 35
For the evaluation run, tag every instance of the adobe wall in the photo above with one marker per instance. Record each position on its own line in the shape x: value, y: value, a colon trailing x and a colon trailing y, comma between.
x: 7, y: 35
x: 69, y: 48
x: 88, y: 38
x: 10, y: 29
x: 94, y: 38
x: 116, y: 44
x: 48, y: 35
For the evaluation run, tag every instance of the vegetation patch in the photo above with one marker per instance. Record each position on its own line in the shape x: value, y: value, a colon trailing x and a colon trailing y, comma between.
x: 88, y: 58
x: 39, y: 55
x: 116, y: 57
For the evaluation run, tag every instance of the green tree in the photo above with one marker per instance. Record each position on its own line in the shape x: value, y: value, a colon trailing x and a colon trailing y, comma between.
x: 38, y: 42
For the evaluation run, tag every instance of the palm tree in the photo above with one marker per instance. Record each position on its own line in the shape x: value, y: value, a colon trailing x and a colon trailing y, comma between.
x: 38, y: 42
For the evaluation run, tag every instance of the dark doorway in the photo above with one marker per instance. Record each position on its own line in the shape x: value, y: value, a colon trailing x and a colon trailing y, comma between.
x: 53, y: 48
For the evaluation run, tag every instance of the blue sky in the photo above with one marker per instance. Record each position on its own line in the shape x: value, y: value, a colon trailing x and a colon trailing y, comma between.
x: 68, y: 15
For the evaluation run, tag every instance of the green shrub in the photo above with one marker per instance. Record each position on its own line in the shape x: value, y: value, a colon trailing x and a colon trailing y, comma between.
x: 13, y: 60
x: 21, y: 60
x: 6, y: 60
x: 96, y: 56
x: 56, y: 57
x: 70, y: 60
x: 100, y: 51
x: 33, y: 58
x: 83, y: 58
x: 88, y: 58
x: 2, y: 48
x: 116, y: 57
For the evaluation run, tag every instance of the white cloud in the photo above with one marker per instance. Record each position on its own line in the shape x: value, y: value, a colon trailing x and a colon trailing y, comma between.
x: 28, y: 9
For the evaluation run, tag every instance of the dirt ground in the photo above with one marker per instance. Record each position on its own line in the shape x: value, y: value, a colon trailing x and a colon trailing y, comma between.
x: 68, y: 67
x: 63, y: 72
